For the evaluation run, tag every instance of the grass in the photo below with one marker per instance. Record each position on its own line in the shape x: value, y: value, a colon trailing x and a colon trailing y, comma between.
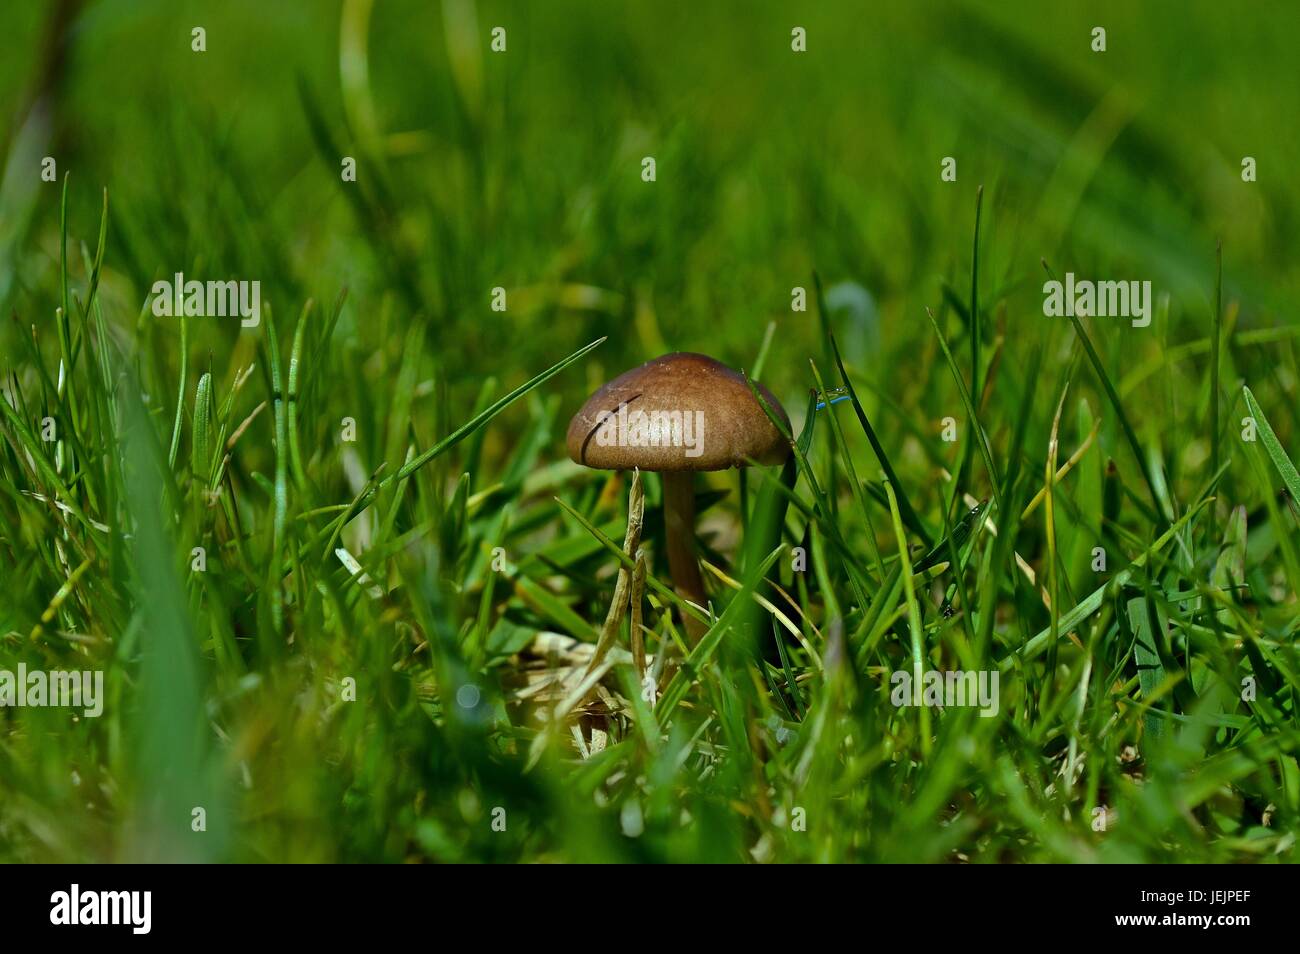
x: 397, y: 555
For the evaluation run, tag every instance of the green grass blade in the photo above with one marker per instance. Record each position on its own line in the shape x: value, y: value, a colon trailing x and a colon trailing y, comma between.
x: 1113, y: 395
x: 1273, y: 446
x: 913, y: 615
x: 905, y: 507
x: 1093, y: 601
x: 180, y: 397
x: 201, y: 440
x: 709, y: 642
x: 458, y: 435
x: 981, y: 438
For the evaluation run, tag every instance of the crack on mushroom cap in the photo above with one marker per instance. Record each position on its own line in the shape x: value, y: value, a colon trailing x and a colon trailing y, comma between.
x: 695, y: 414
x: 582, y: 455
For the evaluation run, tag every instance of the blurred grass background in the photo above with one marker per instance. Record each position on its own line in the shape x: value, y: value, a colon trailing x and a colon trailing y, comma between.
x: 522, y: 170
x: 769, y: 162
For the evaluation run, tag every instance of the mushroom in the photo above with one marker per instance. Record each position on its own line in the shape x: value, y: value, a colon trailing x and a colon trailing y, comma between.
x: 675, y: 415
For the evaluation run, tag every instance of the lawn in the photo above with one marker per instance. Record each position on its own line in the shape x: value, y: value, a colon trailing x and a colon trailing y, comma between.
x: 350, y: 599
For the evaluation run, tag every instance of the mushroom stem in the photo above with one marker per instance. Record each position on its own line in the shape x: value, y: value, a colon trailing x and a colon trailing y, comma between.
x: 679, y: 526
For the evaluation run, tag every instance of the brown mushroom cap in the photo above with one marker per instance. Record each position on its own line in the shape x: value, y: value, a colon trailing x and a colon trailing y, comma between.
x: 679, y: 412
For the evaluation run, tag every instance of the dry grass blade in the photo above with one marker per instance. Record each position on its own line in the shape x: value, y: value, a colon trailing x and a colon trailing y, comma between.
x: 618, y: 606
